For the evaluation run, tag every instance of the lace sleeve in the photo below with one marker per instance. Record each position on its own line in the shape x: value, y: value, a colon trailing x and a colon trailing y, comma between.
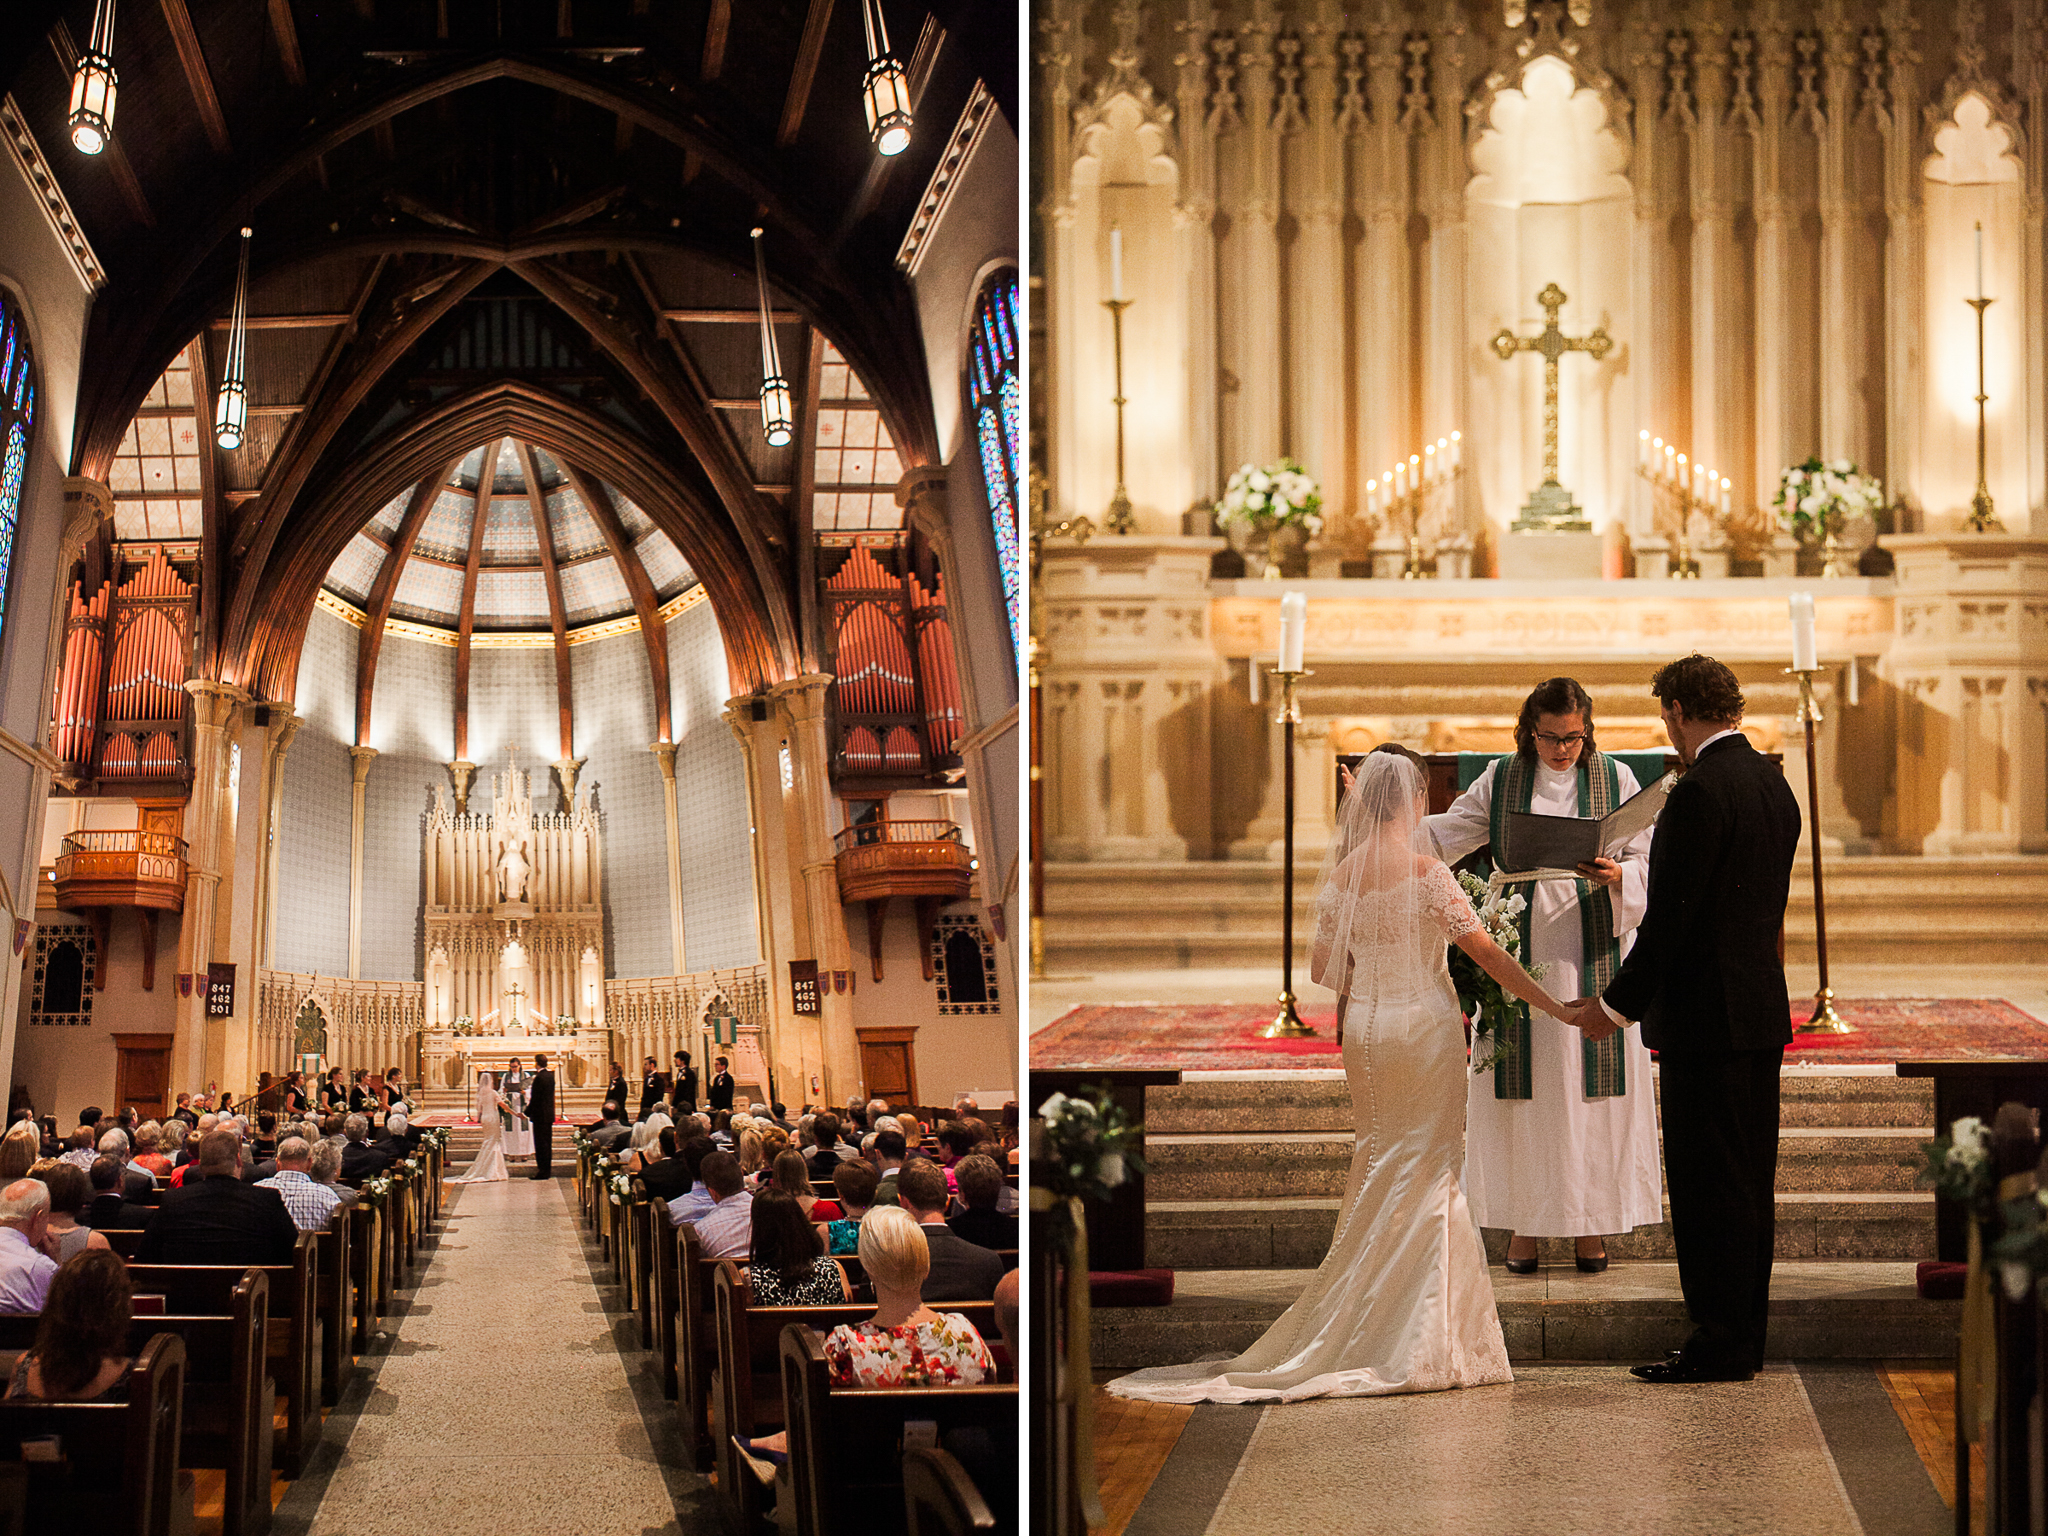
x: 1446, y: 906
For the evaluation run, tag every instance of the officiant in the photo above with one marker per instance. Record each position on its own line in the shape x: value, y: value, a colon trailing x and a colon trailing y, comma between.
x: 1561, y: 1137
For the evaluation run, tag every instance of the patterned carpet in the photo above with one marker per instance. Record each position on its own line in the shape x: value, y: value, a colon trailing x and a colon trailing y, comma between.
x: 1225, y: 1037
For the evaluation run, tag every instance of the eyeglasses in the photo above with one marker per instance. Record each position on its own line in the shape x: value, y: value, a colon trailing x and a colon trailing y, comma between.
x: 1561, y: 743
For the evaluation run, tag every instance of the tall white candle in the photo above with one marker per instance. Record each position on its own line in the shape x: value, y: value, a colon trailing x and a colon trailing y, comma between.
x: 1457, y: 449
x: 1643, y: 448
x: 1116, y: 263
x: 1293, y: 630
x: 1980, y: 261
x: 1726, y: 487
x: 1804, y: 651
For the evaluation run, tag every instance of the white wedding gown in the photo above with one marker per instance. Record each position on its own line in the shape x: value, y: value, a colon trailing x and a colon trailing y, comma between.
x: 1402, y: 1302
x: 489, y: 1167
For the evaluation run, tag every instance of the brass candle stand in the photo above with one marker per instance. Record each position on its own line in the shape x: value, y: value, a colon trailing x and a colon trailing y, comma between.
x: 1676, y: 490
x: 1287, y: 1023
x: 1118, y: 519
x: 1825, y: 1021
x: 1982, y: 518
x: 1410, y: 505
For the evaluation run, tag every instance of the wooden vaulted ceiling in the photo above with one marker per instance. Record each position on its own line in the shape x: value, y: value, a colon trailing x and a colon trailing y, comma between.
x: 500, y: 219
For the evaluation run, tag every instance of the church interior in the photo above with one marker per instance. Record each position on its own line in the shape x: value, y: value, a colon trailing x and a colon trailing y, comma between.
x: 1518, y: 339
x: 509, y: 541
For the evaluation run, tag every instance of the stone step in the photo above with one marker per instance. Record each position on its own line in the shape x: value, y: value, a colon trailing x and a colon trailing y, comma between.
x: 1819, y: 1310
x: 1295, y: 1231
x: 1279, y: 1164
x: 1108, y: 917
x: 1251, y: 1104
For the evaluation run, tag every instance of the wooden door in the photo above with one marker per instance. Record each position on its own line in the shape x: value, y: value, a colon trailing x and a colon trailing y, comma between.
x: 142, y: 1074
x: 888, y: 1064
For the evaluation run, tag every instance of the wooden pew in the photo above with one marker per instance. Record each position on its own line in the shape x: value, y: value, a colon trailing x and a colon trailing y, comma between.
x: 119, y: 1473
x: 696, y: 1330
x: 205, y: 1290
x: 747, y: 1395
x: 229, y: 1399
x: 940, y: 1499
x: 332, y: 1287
x: 845, y: 1445
x: 362, y: 1258
x: 123, y: 1240
x: 640, y: 1221
x: 665, y: 1242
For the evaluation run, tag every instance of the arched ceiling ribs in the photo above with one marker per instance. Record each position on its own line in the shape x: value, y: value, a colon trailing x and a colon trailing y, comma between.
x: 261, y: 649
x: 465, y: 623
x: 646, y: 606
x: 551, y: 577
x: 370, y: 643
x: 686, y: 408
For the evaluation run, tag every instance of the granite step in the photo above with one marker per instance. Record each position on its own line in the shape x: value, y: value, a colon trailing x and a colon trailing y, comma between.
x: 1294, y: 1232
x: 1280, y: 1164
x: 1819, y: 1310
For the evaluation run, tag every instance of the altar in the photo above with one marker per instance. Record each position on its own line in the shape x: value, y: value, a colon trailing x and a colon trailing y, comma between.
x: 579, y: 1058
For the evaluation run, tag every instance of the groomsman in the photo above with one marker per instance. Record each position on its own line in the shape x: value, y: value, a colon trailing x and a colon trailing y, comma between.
x: 682, y: 1088
x: 652, y: 1086
x: 720, y: 1094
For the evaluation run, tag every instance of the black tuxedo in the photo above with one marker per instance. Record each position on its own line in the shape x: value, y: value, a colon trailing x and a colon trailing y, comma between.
x: 652, y: 1090
x: 219, y: 1220
x: 667, y: 1178
x: 540, y: 1109
x: 720, y: 1095
x: 619, y: 1094
x: 112, y: 1212
x: 1707, y: 984
x: 961, y: 1271
x: 360, y: 1161
x: 683, y: 1091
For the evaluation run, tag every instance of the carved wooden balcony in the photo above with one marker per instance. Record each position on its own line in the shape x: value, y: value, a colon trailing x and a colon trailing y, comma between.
x: 925, y: 860
x: 121, y: 869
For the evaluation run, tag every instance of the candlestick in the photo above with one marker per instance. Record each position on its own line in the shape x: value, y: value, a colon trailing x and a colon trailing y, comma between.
x: 1804, y: 649
x: 1287, y: 1024
x: 1293, y: 630
x: 1980, y: 260
x: 1983, y: 517
x: 1116, y: 263
x: 1119, y: 519
x: 1824, y: 1019
x: 1642, y: 448
x: 1457, y: 450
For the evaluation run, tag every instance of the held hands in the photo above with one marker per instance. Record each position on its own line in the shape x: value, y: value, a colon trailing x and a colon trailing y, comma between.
x: 1587, y: 1015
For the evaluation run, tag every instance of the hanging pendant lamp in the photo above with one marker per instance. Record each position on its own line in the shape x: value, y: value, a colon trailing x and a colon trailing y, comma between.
x: 776, y: 419
x: 231, y: 415
x: 886, y: 89
x: 93, y: 84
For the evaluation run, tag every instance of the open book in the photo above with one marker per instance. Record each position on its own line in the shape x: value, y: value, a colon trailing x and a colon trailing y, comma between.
x: 1541, y: 847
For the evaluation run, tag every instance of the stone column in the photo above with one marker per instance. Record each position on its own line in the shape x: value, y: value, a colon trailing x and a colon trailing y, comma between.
x: 1841, y: 416
x: 360, y: 759
x: 665, y: 754
x: 1774, y: 216
x: 213, y: 712
x: 1386, y: 365
x: 1905, y: 256
x: 1653, y: 403
x: 1969, y: 658
x: 1255, y: 319
x: 1445, y: 172
x: 1317, y: 320
x: 284, y: 728
x: 1716, y: 375
x: 1194, y: 227
x: 1128, y: 672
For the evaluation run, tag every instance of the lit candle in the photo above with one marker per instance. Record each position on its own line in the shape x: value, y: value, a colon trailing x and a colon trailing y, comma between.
x: 1372, y: 497
x: 1643, y: 448
x: 1804, y: 651
x: 1457, y: 449
x: 1429, y: 463
x: 1293, y: 630
x: 1116, y: 263
x: 1980, y: 261
x: 1400, y: 471
x: 1726, y: 487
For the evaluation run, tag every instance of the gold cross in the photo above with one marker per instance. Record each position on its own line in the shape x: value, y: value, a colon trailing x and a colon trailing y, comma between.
x: 1552, y: 343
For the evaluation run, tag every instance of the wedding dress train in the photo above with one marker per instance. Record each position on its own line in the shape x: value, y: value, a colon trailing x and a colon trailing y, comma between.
x: 1403, y: 1301
x: 489, y: 1165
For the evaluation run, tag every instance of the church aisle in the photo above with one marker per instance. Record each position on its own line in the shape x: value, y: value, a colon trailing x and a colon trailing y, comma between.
x: 503, y: 1402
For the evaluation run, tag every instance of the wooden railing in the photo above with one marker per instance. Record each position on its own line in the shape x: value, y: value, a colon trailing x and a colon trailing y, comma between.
x: 121, y: 869
x: 903, y: 858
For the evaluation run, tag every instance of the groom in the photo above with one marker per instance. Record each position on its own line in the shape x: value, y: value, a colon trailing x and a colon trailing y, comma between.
x: 1706, y: 981
x: 540, y: 1109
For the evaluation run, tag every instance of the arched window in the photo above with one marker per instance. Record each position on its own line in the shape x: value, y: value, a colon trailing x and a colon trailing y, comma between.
x: 17, y: 422
x: 995, y: 405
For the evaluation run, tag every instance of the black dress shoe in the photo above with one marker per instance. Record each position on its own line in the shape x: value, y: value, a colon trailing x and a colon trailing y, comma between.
x: 1680, y: 1371
x: 1522, y: 1266
x: 1592, y: 1266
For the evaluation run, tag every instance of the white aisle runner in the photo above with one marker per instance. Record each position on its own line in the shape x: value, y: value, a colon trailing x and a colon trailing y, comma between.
x: 503, y: 1405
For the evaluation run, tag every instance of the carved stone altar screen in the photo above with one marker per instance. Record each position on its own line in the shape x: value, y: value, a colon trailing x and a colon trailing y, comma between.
x: 514, y: 927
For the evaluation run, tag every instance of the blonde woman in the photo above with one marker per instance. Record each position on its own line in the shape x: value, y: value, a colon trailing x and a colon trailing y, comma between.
x: 752, y: 1159
x: 20, y: 1149
x: 645, y: 1145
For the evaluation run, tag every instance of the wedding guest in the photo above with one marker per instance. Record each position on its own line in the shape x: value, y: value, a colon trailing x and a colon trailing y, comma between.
x: 216, y: 1218
x: 752, y: 1154
x: 323, y: 1167
x: 81, y: 1153
x: 110, y: 1210
x: 960, y: 1271
x: 727, y: 1228
x: 787, y: 1265
x: 149, y: 1154
x: 611, y: 1131
x: 663, y: 1170
x: 888, y: 1158
x: 358, y: 1160
x: 25, y: 1269
x: 789, y: 1175
x: 311, y: 1203
x: 80, y: 1353
x: 19, y: 1149
x: 854, y: 1183
x: 70, y: 1192
x: 696, y: 1200
x: 978, y: 1219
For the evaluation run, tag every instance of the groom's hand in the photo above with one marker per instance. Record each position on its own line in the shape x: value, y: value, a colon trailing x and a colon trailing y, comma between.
x: 1592, y: 1019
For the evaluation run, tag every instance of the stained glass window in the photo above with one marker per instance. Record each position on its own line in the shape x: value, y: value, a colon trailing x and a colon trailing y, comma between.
x: 995, y: 404
x: 17, y: 415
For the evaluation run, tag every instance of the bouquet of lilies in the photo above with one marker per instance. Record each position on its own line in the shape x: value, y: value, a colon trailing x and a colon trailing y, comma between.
x: 1484, y: 1001
x: 1272, y: 497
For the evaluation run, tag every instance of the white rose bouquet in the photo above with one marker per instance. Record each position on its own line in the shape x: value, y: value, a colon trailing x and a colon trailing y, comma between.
x: 1086, y: 1147
x: 1484, y: 1001
x: 1815, y: 498
x: 1272, y: 497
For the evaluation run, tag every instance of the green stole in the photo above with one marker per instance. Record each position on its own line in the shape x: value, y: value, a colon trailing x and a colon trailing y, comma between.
x: 1604, y: 1065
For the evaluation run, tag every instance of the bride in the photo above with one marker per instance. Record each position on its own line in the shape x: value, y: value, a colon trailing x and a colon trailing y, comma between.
x: 491, y: 1113
x: 1402, y: 1302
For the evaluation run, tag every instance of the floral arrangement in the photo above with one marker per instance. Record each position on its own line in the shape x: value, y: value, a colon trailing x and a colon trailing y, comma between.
x: 1815, y: 498
x: 1089, y: 1146
x: 621, y: 1185
x: 1489, y: 1005
x: 374, y: 1191
x: 463, y: 1026
x: 1958, y: 1166
x: 1280, y: 494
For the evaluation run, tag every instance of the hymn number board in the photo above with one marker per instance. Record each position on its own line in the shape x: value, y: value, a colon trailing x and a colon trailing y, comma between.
x: 220, y: 990
x: 803, y: 987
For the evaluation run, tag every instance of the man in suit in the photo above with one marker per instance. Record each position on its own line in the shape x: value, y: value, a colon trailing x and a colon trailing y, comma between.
x: 618, y: 1093
x: 960, y: 1271
x: 111, y: 1208
x: 1708, y: 987
x: 399, y: 1140
x: 216, y: 1218
x: 359, y: 1160
x: 682, y: 1087
x: 719, y: 1095
x: 540, y: 1109
x: 652, y: 1087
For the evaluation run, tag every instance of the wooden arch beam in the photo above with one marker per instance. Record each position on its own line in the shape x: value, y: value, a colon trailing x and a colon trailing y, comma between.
x: 262, y: 648
x: 551, y: 575
x: 370, y: 644
x: 646, y: 606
